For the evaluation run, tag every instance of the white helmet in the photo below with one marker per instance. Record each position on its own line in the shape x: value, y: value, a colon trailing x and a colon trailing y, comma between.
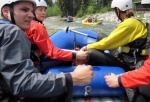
x: 41, y: 3
x: 4, y: 2
x: 122, y: 4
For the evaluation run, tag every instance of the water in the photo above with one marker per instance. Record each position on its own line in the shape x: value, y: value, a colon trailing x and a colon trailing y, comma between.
x: 53, y: 24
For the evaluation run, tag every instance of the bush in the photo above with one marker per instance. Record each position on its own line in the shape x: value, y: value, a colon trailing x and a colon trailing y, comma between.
x: 53, y: 11
x: 105, y: 9
x: 80, y: 13
x: 90, y: 10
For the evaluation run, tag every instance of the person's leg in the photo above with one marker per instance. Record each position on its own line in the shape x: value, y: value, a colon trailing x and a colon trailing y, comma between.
x: 96, y: 57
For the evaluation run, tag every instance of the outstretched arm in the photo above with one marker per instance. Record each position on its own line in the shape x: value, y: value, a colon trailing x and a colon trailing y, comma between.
x: 131, y: 79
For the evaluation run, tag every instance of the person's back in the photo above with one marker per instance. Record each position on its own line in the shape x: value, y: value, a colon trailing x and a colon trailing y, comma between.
x: 70, y: 18
x: 19, y: 77
x: 130, y: 37
x: 89, y: 19
x: 93, y: 20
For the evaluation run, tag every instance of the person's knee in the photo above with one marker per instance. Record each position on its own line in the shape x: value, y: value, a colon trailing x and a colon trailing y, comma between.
x: 91, y: 52
x: 94, y: 53
x: 90, y: 56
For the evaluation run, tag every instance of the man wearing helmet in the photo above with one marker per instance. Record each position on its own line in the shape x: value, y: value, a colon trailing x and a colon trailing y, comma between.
x: 41, y: 43
x: 129, y: 38
x: 18, y: 76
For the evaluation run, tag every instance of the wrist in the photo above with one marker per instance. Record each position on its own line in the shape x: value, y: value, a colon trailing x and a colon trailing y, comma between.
x: 74, y: 79
x: 74, y: 55
x: 119, y: 81
x: 69, y: 80
x: 85, y: 48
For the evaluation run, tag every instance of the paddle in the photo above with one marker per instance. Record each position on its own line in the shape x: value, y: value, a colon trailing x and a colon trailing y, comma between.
x: 77, y: 32
x: 67, y: 29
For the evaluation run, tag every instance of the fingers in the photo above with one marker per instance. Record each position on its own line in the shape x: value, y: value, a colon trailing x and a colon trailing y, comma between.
x: 83, y: 48
x: 109, y: 73
x: 111, y: 80
x: 89, y: 74
x: 82, y: 54
x: 82, y: 75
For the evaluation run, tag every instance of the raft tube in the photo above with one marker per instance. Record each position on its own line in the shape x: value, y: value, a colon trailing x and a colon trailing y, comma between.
x: 65, y: 40
x: 98, y: 86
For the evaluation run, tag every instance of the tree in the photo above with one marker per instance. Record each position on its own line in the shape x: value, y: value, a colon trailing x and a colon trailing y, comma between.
x: 81, y: 7
x: 49, y: 2
x: 82, y: 10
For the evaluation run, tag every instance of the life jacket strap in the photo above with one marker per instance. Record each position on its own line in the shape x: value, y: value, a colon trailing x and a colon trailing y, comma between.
x: 126, y: 49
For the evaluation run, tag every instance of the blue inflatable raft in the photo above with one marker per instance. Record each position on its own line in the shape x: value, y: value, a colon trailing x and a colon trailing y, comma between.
x: 68, y: 20
x: 98, y: 86
x: 65, y: 40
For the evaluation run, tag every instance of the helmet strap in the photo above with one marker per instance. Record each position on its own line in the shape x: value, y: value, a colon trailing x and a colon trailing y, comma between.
x: 12, y: 14
x: 35, y: 18
x: 118, y: 14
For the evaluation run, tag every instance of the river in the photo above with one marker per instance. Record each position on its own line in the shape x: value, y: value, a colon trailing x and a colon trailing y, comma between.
x: 53, y: 24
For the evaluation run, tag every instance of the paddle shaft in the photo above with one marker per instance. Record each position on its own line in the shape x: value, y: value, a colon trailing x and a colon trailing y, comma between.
x: 82, y: 34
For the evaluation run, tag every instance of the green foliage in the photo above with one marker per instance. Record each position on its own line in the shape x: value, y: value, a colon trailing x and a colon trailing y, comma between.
x: 105, y: 9
x: 90, y: 10
x: 66, y: 7
x: 136, y: 0
x: 48, y: 11
x: 49, y: 2
x: 82, y: 10
x: 53, y: 11
x: 78, y: 8
x: 80, y: 13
